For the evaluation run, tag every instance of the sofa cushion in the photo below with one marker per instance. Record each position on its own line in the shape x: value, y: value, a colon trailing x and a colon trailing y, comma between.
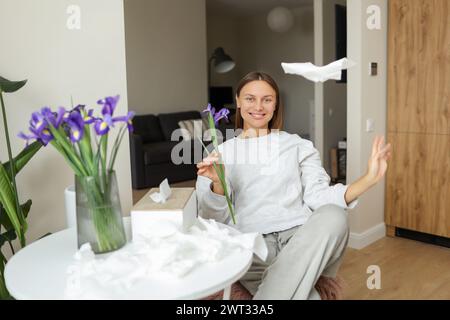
x: 169, y: 121
x: 195, y: 129
x: 148, y: 127
x: 158, y: 152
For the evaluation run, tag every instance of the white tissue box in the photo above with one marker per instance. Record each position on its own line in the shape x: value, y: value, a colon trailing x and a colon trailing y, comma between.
x: 180, y: 208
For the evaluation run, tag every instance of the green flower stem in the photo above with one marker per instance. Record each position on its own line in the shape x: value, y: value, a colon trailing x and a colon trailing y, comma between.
x: 22, y: 220
x: 103, y: 151
x: 213, y: 131
x: 86, y: 150
x: 97, y: 159
x: 69, y: 148
x: 115, y: 148
x: 221, y: 175
x: 219, y: 169
x: 108, y: 230
x: 62, y: 140
x: 225, y: 189
x: 66, y: 156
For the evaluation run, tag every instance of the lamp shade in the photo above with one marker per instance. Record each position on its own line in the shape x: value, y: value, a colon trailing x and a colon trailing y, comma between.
x: 222, y: 62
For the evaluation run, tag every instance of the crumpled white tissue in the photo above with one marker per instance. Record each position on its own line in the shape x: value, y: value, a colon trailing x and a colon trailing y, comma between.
x: 163, y: 194
x: 318, y: 74
x: 168, y: 253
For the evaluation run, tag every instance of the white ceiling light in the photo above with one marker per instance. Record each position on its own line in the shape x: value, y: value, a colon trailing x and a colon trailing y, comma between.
x: 280, y: 19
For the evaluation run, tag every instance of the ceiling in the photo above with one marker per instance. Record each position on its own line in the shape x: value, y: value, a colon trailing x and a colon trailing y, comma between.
x: 242, y: 8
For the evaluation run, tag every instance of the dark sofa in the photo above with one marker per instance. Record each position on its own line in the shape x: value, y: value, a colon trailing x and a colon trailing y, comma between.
x: 151, y: 148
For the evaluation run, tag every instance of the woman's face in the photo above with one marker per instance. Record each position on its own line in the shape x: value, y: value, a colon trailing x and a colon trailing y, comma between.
x: 256, y: 102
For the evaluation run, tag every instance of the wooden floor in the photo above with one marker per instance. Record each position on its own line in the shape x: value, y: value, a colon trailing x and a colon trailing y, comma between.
x: 409, y: 269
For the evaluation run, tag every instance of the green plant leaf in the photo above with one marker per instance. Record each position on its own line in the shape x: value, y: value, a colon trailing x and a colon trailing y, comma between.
x: 4, y: 294
x: 26, y: 207
x: 23, y: 157
x: 9, y: 235
x: 4, y: 219
x: 6, y: 222
x: 11, y: 86
x: 9, y: 204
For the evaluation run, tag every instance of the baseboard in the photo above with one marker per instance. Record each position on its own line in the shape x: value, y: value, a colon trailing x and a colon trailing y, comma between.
x: 423, y: 237
x: 361, y: 240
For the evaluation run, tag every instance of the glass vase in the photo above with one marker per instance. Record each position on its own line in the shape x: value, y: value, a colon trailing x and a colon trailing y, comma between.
x: 99, y: 214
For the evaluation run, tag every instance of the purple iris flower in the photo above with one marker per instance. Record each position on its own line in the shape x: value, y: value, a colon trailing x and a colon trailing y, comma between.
x: 76, y: 125
x: 66, y: 116
x: 44, y: 136
x: 223, y: 113
x: 55, y: 118
x: 27, y: 138
x: 102, y: 126
x: 39, y: 128
x: 109, y: 104
x: 127, y: 119
x: 79, y: 108
x: 38, y: 122
x: 60, y: 116
x: 210, y: 109
x: 88, y: 118
x: 74, y: 122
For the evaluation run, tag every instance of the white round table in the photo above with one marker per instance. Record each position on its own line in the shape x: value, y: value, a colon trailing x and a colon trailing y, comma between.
x: 39, y: 271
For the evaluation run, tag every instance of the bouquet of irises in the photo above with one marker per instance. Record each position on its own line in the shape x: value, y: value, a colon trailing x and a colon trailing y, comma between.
x: 82, y: 139
x: 69, y: 131
x: 213, y: 119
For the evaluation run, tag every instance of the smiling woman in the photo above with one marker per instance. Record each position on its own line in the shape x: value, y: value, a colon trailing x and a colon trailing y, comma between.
x: 286, y: 196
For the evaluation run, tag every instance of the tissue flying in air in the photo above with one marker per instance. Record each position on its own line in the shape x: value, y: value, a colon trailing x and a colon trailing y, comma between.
x: 318, y: 74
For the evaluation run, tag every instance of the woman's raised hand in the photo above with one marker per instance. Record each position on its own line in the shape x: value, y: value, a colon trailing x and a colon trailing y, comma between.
x: 206, y: 167
x: 377, y: 164
x: 376, y: 169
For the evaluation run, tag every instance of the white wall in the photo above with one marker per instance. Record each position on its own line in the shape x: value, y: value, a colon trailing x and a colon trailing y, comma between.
x: 367, y: 98
x: 255, y: 47
x: 335, y: 94
x: 87, y: 64
x: 166, y: 55
x: 317, y: 135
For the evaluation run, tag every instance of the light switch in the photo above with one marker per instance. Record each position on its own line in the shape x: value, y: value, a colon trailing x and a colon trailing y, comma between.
x: 373, y: 69
x: 370, y: 124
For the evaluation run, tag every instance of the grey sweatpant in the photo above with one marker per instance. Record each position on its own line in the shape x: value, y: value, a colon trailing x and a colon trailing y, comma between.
x: 299, y: 256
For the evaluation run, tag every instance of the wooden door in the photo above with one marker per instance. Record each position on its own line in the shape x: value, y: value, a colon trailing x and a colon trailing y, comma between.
x: 418, y: 178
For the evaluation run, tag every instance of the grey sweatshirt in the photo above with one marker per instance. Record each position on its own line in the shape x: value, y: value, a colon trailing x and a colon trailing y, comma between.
x: 275, y: 182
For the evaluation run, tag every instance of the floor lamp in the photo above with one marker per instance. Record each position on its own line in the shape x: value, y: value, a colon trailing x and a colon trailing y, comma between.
x: 222, y: 64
